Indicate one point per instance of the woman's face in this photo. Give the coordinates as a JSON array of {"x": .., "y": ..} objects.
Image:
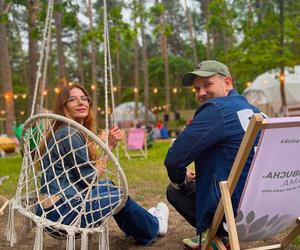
[{"x": 77, "y": 106}]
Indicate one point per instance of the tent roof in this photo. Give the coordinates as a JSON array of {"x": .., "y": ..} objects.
[
  {"x": 265, "y": 89},
  {"x": 125, "y": 112}
]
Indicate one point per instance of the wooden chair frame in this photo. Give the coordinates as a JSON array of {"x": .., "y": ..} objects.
[
  {"x": 135, "y": 152},
  {"x": 225, "y": 206}
]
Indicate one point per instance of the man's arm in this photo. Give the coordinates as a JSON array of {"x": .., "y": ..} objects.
[{"x": 206, "y": 130}]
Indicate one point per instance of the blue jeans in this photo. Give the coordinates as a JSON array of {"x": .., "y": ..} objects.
[{"x": 132, "y": 219}]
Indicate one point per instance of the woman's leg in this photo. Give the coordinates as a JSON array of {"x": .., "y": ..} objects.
[
  {"x": 133, "y": 219},
  {"x": 137, "y": 222}
]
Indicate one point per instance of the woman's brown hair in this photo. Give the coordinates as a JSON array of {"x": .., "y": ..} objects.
[
  {"x": 89, "y": 121},
  {"x": 60, "y": 105}
]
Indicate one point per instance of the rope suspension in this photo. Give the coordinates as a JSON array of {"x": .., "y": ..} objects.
[
  {"x": 108, "y": 66},
  {"x": 66, "y": 185},
  {"x": 43, "y": 52}
]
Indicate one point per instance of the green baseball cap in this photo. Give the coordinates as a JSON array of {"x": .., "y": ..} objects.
[{"x": 205, "y": 69}]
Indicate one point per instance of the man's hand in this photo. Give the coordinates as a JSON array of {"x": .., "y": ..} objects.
[
  {"x": 190, "y": 176},
  {"x": 114, "y": 136}
]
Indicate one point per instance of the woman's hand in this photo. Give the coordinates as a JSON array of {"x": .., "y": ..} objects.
[{"x": 114, "y": 136}]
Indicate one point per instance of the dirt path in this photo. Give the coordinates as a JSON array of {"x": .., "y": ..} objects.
[{"x": 178, "y": 229}]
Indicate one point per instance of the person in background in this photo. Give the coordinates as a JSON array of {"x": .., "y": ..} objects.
[{"x": 211, "y": 141}]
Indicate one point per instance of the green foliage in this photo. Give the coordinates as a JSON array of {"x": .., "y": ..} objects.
[
  {"x": 246, "y": 37},
  {"x": 3, "y": 18},
  {"x": 177, "y": 67}
]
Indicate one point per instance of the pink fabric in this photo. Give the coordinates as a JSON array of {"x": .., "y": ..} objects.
[
  {"x": 270, "y": 201},
  {"x": 135, "y": 138}
]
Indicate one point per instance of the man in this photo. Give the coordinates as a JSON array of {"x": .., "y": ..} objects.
[{"x": 211, "y": 140}]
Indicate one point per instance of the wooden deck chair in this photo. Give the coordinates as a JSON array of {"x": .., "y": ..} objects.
[
  {"x": 270, "y": 200},
  {"x": 135, "y": 144}
]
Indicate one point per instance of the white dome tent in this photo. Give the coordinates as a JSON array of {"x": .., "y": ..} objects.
[
  {"x": 124, "y": 113},
  {"x": 264, "y": 92}
]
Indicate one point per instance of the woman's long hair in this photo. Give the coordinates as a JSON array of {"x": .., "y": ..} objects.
[
  {"x": 89, "y": 121},
  {"x": 60, "y": 105}
]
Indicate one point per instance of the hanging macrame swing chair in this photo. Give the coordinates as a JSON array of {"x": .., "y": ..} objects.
[{"x": 104, "y": 194}]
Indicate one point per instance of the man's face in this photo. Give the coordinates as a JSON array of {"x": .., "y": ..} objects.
[{"x": 212, "y": 86}]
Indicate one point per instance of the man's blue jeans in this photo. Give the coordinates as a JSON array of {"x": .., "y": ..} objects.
[{"x": 133, "y": 219}]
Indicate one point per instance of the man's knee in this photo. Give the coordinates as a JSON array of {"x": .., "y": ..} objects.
[{"x": 171, "y": 194}]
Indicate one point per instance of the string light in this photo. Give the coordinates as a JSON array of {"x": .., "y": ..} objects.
[
  {"x": 22, "y": 112},
  {"x": 248, "y": 84},
  {"x": 93, "y": 87},
  {"x": 115, "y": 89},
  {"x": 175, "y": 90},
  {"x": 24, "y": 96},
  {"x": 2, "y": 112},
  {"x": 281, "y": 77},
  {"x": 135, "y": 90},
  {"x": 56, "y": 90},
  {"x": 45, "y": 92},
  {"x": 15, "y": 97},
  {"x": 155, "y": 90}
]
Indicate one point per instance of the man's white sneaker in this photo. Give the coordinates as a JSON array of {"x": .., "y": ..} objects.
[{"x": 161, "y": 212}]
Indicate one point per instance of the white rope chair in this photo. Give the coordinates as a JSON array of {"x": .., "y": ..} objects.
[{"x": 48, "y": 157}]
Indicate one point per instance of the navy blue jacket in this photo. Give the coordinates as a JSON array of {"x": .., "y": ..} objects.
[{"x": 212, "y": 141}]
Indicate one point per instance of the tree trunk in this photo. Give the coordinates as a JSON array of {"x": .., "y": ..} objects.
[
  {"x": 204, "y": 7},
  {"x": 281, "y": 41},
  {"x": 118, "y": 73},
  {"x": 93, "y": 64},
  {"x": 33, "y": 49},
  {"x": 6, "y": 77},
  {"x": 22, "y": 54},
  {"x": 145, "y": 69},
  {"x": 191, "y": 32},
  {"x": 164, "y": 50},
  {"x": 136, "y": 78},
  {"x": 80, "y": 60},
  {"x": 60, "y": 50}
]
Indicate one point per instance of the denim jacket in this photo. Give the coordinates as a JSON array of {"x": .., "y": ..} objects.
[
  {"x": 68, "y": 171},
  {"x": 211, "y": 141}
]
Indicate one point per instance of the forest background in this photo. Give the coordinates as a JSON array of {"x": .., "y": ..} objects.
[{"x": 153, "y": 43}]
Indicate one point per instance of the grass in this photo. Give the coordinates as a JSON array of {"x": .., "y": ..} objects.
[
  {"x": 147, "y": 178},
  {"x": 144, "y": 176}
]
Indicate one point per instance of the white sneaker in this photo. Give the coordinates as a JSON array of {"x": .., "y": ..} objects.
[{"x": 161, "y": 212}]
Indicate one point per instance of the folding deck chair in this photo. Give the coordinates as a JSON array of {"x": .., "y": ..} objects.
[
  {"x": 270, "y": 201},
  {"x": 135, "y": 144}
]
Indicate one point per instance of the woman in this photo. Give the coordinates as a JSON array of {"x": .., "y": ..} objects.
[{"x": 67, "y": 173}]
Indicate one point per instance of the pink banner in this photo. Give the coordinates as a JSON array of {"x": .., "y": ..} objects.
[{"x": 270, "y": 202}]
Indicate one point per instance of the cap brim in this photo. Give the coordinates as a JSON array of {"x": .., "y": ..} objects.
[{"x": 189, "y": 77}]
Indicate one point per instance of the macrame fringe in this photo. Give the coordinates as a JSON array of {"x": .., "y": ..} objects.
[
  {"x": 84, "y": 241},
  {"x": 104, "y": 239},
  {"x": 27, "y": 225},
  {"x": 38, "y": 242},
  {"x": 10, "y": 231},
  {"x": 70, "y": 241}
]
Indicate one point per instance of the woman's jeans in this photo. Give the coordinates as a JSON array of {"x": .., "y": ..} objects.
[{"x": 133, "y": 219}]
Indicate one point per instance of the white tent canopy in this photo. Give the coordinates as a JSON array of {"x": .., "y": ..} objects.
[
  {"x": 124, "y": 113},
  {"x": 265, "y": 90}
]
